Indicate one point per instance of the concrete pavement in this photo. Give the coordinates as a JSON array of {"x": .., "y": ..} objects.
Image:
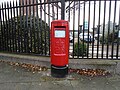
[
  {"x": 110, "y": 65},
  {"x": 17, "y": 78}
]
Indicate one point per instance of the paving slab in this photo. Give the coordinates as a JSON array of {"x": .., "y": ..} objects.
[
  {"x": 17, "y": 78},
  {"x": 110, "y": 65}
]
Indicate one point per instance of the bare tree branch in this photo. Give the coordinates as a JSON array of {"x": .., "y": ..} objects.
[
  {"x": 55, "y": 5},
  {"x": 53, "y": 11},
  {"x": 41, "y": 8},
  {"x": 74, "y": 6},
  {"x": 69, "y": 4}
]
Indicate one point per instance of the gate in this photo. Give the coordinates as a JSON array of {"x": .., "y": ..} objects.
[{"x": 94, "y": 27}]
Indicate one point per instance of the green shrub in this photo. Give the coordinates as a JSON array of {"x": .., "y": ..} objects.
[
  {"x": 80, "y": 50},
  {"x": 109, "y": 39},
  {"x": 31, "y": 34}
]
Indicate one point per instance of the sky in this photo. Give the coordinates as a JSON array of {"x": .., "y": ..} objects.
[
  {"x": 74, "y": 19},
  {"x": 4, "y": 1},
  {"x": 96, "y": 14}
]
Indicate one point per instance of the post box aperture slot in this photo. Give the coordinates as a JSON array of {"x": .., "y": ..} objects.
[{"x": 59, "y": 33}]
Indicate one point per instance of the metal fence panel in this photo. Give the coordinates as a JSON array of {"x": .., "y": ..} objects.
[{"x": 94, "y": 27}]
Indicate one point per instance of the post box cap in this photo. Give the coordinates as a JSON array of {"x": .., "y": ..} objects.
[{"x": 59, "y": 21}]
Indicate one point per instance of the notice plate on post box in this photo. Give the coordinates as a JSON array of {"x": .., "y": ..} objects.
[
  {"x": 60, "y": 33},
  {"x": 119, "y": 34}
]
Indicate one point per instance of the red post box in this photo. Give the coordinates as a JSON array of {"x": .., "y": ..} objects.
[{"x": 59, "y": 48}]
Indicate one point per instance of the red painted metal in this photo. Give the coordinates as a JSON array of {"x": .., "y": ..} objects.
[{"x": 59, "y": 42}]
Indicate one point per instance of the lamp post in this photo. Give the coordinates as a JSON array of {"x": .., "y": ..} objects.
[
  {"x": 80, "y": 29},
  {"x": 63, "y": 9},
  {"x": 117, "y": 30}
]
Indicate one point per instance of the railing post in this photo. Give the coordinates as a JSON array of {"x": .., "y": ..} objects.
[{"x": 62, "y": 9}]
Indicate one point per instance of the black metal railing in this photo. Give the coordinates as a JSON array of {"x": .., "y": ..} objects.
[
  {"x": 24, "y": 27},
  {"x": 94, "y": 27}
]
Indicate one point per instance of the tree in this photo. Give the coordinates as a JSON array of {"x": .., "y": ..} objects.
[
  {"x": 31, "y": 34},
  {"x": 71, "y": 6},
  {"x": 109, "y": 39}
]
